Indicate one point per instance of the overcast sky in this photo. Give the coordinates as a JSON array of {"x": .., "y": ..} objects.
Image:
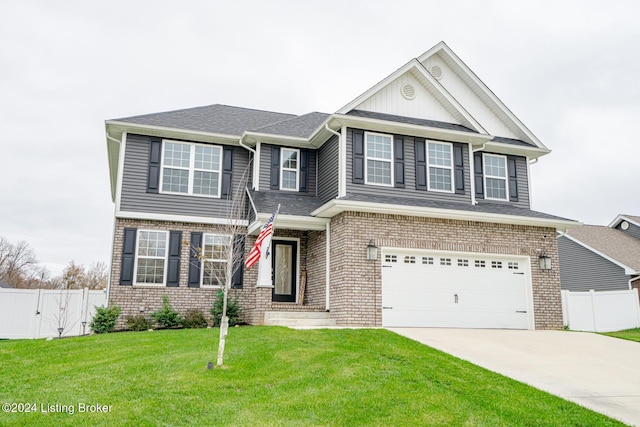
[{"x": 568, "y": 69}]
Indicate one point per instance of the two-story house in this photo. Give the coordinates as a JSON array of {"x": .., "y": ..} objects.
[{"x": 409, "y": 206}]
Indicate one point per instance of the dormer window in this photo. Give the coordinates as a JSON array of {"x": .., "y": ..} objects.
[
  {"x": 290, "y": 169},
  {"x": 495, "y": 177},
  {"x": 378, "y": 162}
]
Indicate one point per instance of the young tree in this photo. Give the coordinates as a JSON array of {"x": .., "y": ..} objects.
[{"x": 232, "y": 249}]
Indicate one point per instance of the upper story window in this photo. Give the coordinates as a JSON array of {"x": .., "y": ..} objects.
[
  {"x": 215, "y": 250},
  {"x": 151, "y": 256},
  {"x": 378, "y": 161},
  {"x": 290, "y": 169},
  {"x": 495, "y": 177},
  {"x": 440, "y": 166},
  {"x": 192, "y": 169}
]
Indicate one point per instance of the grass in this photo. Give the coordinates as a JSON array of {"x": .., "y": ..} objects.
[
  {"x": 274, "y": 377},
  {"x": 629, "y": 334}
]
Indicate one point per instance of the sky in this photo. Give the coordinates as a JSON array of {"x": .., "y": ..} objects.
[{"x": 567, "y": 69}]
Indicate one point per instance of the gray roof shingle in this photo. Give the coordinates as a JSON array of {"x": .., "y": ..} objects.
[
  {"x": 290, "y": 203},
  {"x": 633, "y": 218},
  {"x": 300, "y": 126},
  {"x": 410, "y": 120},
  {"x": 611, "y": 242}
]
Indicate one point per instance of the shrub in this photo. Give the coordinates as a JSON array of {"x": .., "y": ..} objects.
[
  {"x": 104, "y": 321},
  {"x": 138, "y": 323},
  {"x": 167, "y": 317},
  {"x": 194, "y": 319},
  {"x": 233, "y": 310}
]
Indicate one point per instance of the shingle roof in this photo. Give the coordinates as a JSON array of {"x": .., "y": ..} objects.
[
  {"x": 512, "y": 141},
  {"x": 217, "y": 118},
  {"x": 290, "y": 203},
  {"x": 611, "y": 242},
  {"x": 300, "y": 126},
  {"x": 410, "y": 120},
  {"x": 632, "y": 218}
]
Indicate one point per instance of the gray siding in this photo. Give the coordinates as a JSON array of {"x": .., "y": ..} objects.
[
  {"x": 134, "y": 185},
  {"x": 410, "y": 177},
  {"x": 265, "y": 170},
  {"x": 633, "y": 230},
  {"x": 328, "y": 169},
  {"x": 583, "y": 270}
]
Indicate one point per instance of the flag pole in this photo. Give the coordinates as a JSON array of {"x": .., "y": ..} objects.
[{"x": 273, "y": 230}]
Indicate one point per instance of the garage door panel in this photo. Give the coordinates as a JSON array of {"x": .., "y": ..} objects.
[{"x": 455, "y": 290}]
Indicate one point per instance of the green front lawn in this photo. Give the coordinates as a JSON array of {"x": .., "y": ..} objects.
[
  {"x": 274, "y": 376},
  {"x": 629, "y": 334}
]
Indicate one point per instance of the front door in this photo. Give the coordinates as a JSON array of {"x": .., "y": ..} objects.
[{"x": 284, "y": 261}]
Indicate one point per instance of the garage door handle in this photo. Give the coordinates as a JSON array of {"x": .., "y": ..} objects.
[
  {"x": 387, "y": 308},
  {"x": 455, "y": 298},
  {"x": 521, "y": 311}
]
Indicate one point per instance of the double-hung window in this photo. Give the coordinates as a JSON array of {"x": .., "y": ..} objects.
[
  {"x": 192, "y": 169},
  {"x": 290, "y": 169},
  {"x": 151, "y": 257},
  {"x": 440, "y": 166},
  {"x": 379, "y": 162},
  {"x": 495, "y": 177},
  {"x": 215, "y": 253}
]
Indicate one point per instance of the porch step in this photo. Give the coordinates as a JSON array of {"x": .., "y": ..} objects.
[{"x": 298, "y": 318}]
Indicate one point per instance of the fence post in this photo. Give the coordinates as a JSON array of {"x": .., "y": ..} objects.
[
  {"x": 592, "y": 295},
  {"x": 565, "y": 295},
  {"x": 637, "y": 304}
]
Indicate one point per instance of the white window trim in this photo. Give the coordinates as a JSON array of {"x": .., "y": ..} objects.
[
  {"x": 192, "y": 169},
  {"x": 204, "y": 236},
  {"x": 137, "y": 257},
  {"x": 450, "y": 168},
  {"x": 296, "y": 170},
  {"x": 505, "y": 178},
  {"x": 367, "y": 158}
]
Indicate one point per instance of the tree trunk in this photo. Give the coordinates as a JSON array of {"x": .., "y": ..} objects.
[{"x": 224, "y": 322}]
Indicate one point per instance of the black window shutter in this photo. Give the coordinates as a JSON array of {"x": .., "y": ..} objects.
[
  {"x": 227, "y": 171},
  {"x": 458, "y": 163},
  {"x": 153, "y": 176},
  {"x": 513, "y": 178},
  {"x": 275, "y": 168},
  {"x": 398, "y": 150},
  {"x": 304, "y": 170},
  {"x": 421, "y": 164},
  {"x": 478, "y": 175},
  {"x": 238, "y": 265},
  {"x": 175, "y": 246},
  {"x": 358, "y": 157},
  {"x": 128, "y": 256},
  {"x": 194, "y": 260}
]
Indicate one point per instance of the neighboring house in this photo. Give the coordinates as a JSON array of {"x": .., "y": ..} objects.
[
  {"x": 601, "y": 258},
  {"x": 427, "y": 173}
]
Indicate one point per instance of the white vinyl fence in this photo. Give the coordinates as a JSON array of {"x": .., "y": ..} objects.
[
  {"x": 602, "y": 311},
  {"x": 38, "y": 313}
]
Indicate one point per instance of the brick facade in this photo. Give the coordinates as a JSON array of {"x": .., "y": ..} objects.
[{"x": 355, "y": 283}]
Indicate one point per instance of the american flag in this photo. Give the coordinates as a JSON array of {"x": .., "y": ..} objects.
[{"x": 265, "y": 232}]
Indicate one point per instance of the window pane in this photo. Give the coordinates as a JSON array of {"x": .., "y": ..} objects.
[
  {"x": 378, "y": 172},
  {"x": 379, "y": 146},
  {"x": 495, "y": 166},
  {"x": 152, "y": 243},
  {"x": 439, "y": 179},
  {"x": 496, "y": 188},
  {"x": 177, "y": 154},
  {"x": 150, "y": 271},
  {"x": 289, "y": 180},
  {"x": 289, "y": 159},
  {"x": 214, "y": 273},
  {"x": 207, "y": 158},
  {"x": 215, "y": 247},
  {"x": 439, "y": 154},
  {"x": 175, "y": 180},
  {"x": 205, "y": 183}
]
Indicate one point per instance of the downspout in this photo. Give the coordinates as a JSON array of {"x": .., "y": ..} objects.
[
  {"x": 340, "y": 171},
  {"x": 473, "y": 173},
  {"x": 327, "y": 233},
  {"x": 251, "y": 150}
]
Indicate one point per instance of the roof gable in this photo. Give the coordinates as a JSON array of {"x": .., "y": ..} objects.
[{"x": 610, "y": 243}]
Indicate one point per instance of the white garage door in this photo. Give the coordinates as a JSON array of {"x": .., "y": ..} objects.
[{"x": 455, "y": 290}]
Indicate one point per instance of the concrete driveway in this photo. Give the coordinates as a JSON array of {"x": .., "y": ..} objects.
[{"x": 595, "y": 371}]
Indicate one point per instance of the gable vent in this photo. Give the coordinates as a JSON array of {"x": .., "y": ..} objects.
[
  {"x": 408, "y": 91},
  {"x": 436, "y": 72}
]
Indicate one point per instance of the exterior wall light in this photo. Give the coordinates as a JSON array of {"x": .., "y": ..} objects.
[
  {"x": 545, "y": 262},
  {"x": 372, "y": 251}
]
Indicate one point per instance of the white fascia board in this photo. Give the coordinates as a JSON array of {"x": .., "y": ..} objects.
[
  {"x": 120, "y": 168},
  {"x": 444, "y": 50},
  {"x": 516, "y": 150},
  {"x": 269, "y": 138},
  {"x": 168, "y": 132},
  {"x": 289, "y": 222},
  {"x": 379, "y": 125},
  {"x": 621, "y": 218},
  {"x": 627, "y": 270},
  {"x": 334, "y": 207},
  {"x": 114, "y": 157},
  {"x": 178, "y": 218}
]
